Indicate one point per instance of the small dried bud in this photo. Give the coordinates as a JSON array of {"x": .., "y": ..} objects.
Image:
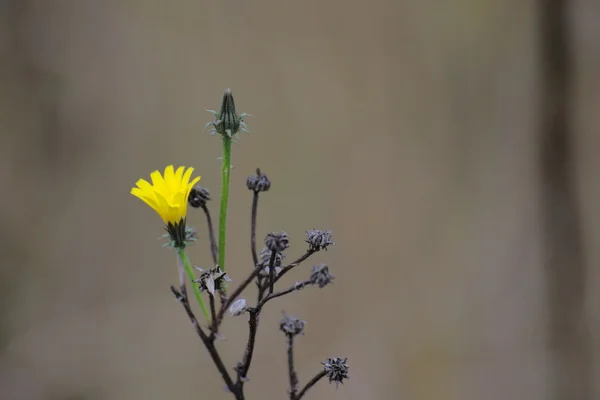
[
  {"x": 318, "y": 239},
  {"x": 198, "y": 196},
  {"x": 337, "y": 369},
  {"x": 264, "y": 258},
  {"x": 265, "y": 271},
  {"x": 277, "y": 241},
  {"x": 258, "y": 182},
  {"x": 320, "y": 276},
  {"x": 292, "y": 326},
  {"x": 238, "y": 307},
  {"x": 212, "y": 279}
]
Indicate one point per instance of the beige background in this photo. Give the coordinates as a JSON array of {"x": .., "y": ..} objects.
[{"x": 407, "y": 127}]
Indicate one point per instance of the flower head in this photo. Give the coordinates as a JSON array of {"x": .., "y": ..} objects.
[
  {"x": 277, "y": 241},
  {"x": 212, "y": 279},
  {"x": 320, "y": 276},
  {"x": 259, "y": 182},
  {"x": 318, "y": 239},
  {"x": 198, "y": 196},
  {"x": 168, "y": 196},
  {"x": 337, "y": 369},
  {"x": 292, "y": 326}
]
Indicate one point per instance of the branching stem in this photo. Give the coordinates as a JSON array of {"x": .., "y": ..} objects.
[{"x": 310, "y": 384}]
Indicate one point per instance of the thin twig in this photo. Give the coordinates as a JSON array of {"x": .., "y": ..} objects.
[
  {"x": 299, "y": 261},
  {"x": 272, "y": 271},
  {"x": 213, "y": 314},
  {"x": 211, "y": 234},
  {"x": 210, "y": 346},
  {"x": 253, "y": 328},
  {"x": 564, "y": 234},
  {"x": 291, "y": 368},
  {"x": 253, "y": 228},
  {"x": 271, "y": 296},
  {"x": 261, "y": 289},
  {"x": 235, "y": 295},
  {"x": 310, "y": 384}
]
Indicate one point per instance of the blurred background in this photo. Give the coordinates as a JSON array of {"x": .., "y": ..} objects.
[{"x": 451, "y": 147}]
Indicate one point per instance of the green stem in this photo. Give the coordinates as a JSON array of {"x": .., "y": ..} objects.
[
  {"x": 225, "y": 181},
  {"x": 190, "y": 273}
]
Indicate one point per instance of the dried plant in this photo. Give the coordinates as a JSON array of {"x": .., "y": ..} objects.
[{"x": 169, "y": 195}]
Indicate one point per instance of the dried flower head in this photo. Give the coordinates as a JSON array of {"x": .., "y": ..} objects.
[
  {"x": 320, "y": 276},
  {"x": 264, "y": 258},
  {"x": 168, "y": 195},
  {"x": 292, "y": 326},
  {"x": 198, "y": 196},
  {"x": 258, "y": 182},
  {"x": 238, "y": 307},
  {"x": 212, "y": 279},
  {"x": 318, "y": 239},
  {"x": 337, "y": 369},
  {"x": 277, "y": 241},
  {"x": 265, "y": 271}
]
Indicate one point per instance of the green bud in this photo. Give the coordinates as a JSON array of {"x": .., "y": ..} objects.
[{"x": 227, "y": 122}]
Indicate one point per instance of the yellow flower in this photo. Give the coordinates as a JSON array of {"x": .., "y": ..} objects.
[{"x": 168, "y": 194}]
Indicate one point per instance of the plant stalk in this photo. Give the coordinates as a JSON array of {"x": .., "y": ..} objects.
[
  {"x": 190, "y": 273},
  {"x": 225, "y": 182}
]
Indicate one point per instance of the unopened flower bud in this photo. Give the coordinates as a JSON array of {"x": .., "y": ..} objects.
[{"x": 227, "y": 122}]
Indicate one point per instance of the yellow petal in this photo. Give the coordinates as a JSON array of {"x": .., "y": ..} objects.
[
  {"x": 158, "y": 182},
  {"x": 145, "y": 187},
  {"x": 164, "y": 210},
  {"x": 186, "y": 176},
  {"x": 150, "y": 201},
  {"x": 179, "y": 175},
  {"x": 169, "y": 175}
]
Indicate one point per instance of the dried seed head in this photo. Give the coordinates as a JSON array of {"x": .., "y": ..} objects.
[
  {"x": 320, "y": 276},
  {"x": 265, "y": 271},
  {"x": 258, "y": 182},
  {"x": 292, "y": 326},
  {"x": 198, "y": 196},
  {"x": 277, "y": 241},
  {"x": 337, "y": 369},
  {"x": 265, "y": 257},
  {"x": 212, "y": 279},
  {"x": 318, "y": 239},
  {"x": 238, "y": 307}
]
